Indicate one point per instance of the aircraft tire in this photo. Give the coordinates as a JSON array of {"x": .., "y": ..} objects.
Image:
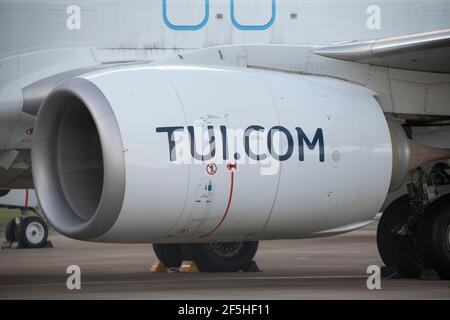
[
  {"x": 171, "y": 255},
  {"x": 10, "y": 230},
  {"x": 32, "y": 232},
  {"x": 395, "y": 250},
  {"x": 434, "y": 236},
  {"x": 222, "y": 256}
]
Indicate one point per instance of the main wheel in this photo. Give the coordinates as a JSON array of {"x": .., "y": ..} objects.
[
  {"x": 222, "y": 256},
  {"x": 32, "y": 232},
  {"x": 434, "y": 236},
  {"x": 395, "y": 250},
  {"x": 10, "y": 230},
  {"x": 170, "y": 254}
]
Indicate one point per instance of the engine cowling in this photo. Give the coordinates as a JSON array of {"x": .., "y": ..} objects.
[{"x": 186, "y": 154}]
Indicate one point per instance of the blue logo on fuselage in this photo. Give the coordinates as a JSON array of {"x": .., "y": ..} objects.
[{"x": 205, "y": 20}]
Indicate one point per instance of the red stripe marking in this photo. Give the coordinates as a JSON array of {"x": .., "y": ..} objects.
[
  {"x": 226, "y": 211},
  {"x": 26, "y": 198}
]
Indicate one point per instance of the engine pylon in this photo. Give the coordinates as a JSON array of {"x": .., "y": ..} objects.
[{"x": 421, "y": 154}]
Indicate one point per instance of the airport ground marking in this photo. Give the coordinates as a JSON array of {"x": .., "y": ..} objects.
[{"x": 184, "y": 280}]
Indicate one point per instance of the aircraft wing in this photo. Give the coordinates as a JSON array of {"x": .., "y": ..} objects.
[{"x": 429, "y": 51}]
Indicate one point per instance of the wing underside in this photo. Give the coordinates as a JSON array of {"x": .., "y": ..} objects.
[{"x": 429, "y": 51}]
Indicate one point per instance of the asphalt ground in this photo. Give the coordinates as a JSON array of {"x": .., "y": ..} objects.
[{"x": 321, "y": 268}]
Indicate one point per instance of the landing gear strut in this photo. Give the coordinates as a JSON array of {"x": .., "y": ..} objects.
[
  {"x": 210, "y": 257},
  {"x": 414, "y": 231}
]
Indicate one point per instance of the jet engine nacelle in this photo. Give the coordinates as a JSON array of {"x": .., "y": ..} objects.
[{"x": 186, "y": 154}]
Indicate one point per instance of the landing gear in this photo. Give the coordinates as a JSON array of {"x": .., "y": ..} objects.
[
  {"x": 434, "y": 236},
  {"x": 10, "y": 231},
  {"x": 32, "y": 232},
  {"x": 171, "y": 255},
  {"x": 222, "y": 256},
  {"x": 413, "y": 234},
  {"x": 210, "y": 257},
  {"x": 28, "y": 231},
  {"x": 396, "y": 241}
]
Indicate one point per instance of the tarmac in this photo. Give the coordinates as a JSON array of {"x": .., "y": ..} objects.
[{"x": 321, "y": 268}]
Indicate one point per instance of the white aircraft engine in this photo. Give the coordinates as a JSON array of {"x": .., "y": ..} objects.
[{"x": 196, "y": 154}]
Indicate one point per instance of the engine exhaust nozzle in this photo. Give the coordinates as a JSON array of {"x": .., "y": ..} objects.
[{"x": 409, "y": 155}]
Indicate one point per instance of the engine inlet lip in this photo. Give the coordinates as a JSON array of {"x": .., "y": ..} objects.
[{"x": 47, "y": 183}]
